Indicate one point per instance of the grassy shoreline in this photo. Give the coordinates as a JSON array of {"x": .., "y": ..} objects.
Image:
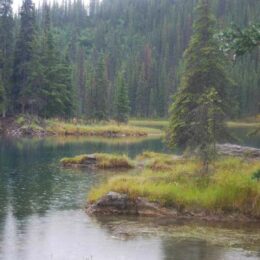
[
  {"x": 24, "y": 125},
  {"x": 32, "y": 126},
  {"x": 105, "y": 129},
  {"x": 99, "y": 161},
  {"x": 231, "y": 187}
]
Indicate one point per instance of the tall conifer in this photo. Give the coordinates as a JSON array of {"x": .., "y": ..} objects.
[
  {"x": 23, "y": 56},
  {"x": 122, "y": 100},
  {"x": 197, "y": 113},
  {"x": 6, "y": 50}
]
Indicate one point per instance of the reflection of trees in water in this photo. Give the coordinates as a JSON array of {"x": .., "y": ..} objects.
[
  {"x": 32, "y": 180},
  {"x": 28, "y": 188},
  {"x": 175, "y": 249},
  {"x": 245, "y": 136}
]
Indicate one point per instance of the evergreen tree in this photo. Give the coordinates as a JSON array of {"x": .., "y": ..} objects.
[
  {"x": 149, "y": 36},
  {"x": 199, "y": 107},
  {"x": 63, "y": 82},
  {"x": 34, "y": 90},
  {"x": 6, "y": 49},
  {"x": 50, "y": 59},
  {"x": 56, "y": 89},
  {"x": 99, "y": 94},
  {"x": 23, "y": 56},
  {"x": 2, "y": 95},
  {"x": 240, "y": 41},
  {"x": 122, "y": 101},
  {"x": 81, "y": 81}
]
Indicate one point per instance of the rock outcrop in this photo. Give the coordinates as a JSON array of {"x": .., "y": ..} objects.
[
  {"x": 115, "y": 203},
  {"x": 237, "y": 150}
]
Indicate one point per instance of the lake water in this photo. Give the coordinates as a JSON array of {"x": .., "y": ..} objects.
[{"x": 42, "y": 211}]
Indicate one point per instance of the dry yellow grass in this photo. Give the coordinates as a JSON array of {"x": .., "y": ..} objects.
[
  {"x": 106, "y": 129},
  {"x": 230, "y": 186},
  {"x": 102, "y": 161}
]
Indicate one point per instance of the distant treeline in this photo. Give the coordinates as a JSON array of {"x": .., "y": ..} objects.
[{"x": 67, "y": 59}]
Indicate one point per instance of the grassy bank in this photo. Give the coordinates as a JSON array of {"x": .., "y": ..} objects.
[
  {"x": 24, "y": 125},
  {"x": 32, "y": 126},
  {"x": 231, "y": 187},
  {"x": 240, "y": 124},
  {"x": 105, "y": 129},
  {"x": 159, "y": 123},
  {"x": 248, "y": 122},
  {"x": 100, "y": 161}
]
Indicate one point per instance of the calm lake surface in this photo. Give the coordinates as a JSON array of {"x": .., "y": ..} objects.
[{"x": 42, "y": 211}]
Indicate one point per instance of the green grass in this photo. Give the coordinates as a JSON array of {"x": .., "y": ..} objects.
[
  {"x": 29, "y": 123},
  {"x": 230, "y": 186},
  {"x": 160, "y": 123},
  {"x": 243, "y": 125},
  {"x": 103, "y": 161},
  {"x": 105, "y": 129},
  {"x": 158, "y": 161},
  {"x": 58, "y": 127},
  {"x": 248, "y": 122}
]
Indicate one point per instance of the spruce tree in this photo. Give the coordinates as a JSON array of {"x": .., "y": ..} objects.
[
  {"x": 6, "y": 50},
  {"x": 63, "y": 85},
  {"x": 34, "y": 90},
  {"x": 240, "y": 41},
  {"x": 51, "y": 92},
  {"x": 100, "y": 91},
  {"x": 2, "y": 96},
  {"x": 23, "y": 56},
  {"x": 80, "y": 80},
  {"x": 56, "y": 89},
  {"x": 122, "y": 100},
  {"x": 197, "y": 113}
]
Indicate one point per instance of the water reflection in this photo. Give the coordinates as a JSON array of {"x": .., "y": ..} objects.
[
  {"x": 196, "y": 249},
  {"x": 245, "y": 136},
  {"x": 70, "y": 234},
  {"x": 42, "y": 208}
]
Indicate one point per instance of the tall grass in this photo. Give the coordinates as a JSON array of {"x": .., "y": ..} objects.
[
  {"x": 101, "y": 161},
  {"x": 105, "y": 129},
  {"x": 229, "y": 188}
]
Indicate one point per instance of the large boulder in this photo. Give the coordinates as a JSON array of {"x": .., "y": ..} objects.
[{"x": 114, "y": 203}]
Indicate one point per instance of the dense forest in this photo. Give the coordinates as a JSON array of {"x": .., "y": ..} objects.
[{"x": 103, "y": 60}]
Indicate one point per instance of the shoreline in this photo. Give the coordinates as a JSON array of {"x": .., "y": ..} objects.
[
  {"x": 117, "y": 204},
  {"x": 176, "y": 187},
  {"x": 22, "y": 126}
]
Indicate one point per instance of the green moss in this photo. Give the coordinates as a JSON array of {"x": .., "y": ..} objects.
[{"x": 229, "y": 187}]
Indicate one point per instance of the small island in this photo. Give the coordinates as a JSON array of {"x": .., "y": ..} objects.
[
  {"x": 99, "y": 161},
  {"x": 176, "y": 186}
]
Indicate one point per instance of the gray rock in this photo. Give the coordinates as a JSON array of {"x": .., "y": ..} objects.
[
  {"x": 237, "y": 150},
  {"x": 121, "y": 204}
]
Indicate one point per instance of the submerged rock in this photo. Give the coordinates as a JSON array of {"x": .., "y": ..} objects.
[
  {"x": 237, "y": 150},
  {"x": 114, "y": 203}
]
